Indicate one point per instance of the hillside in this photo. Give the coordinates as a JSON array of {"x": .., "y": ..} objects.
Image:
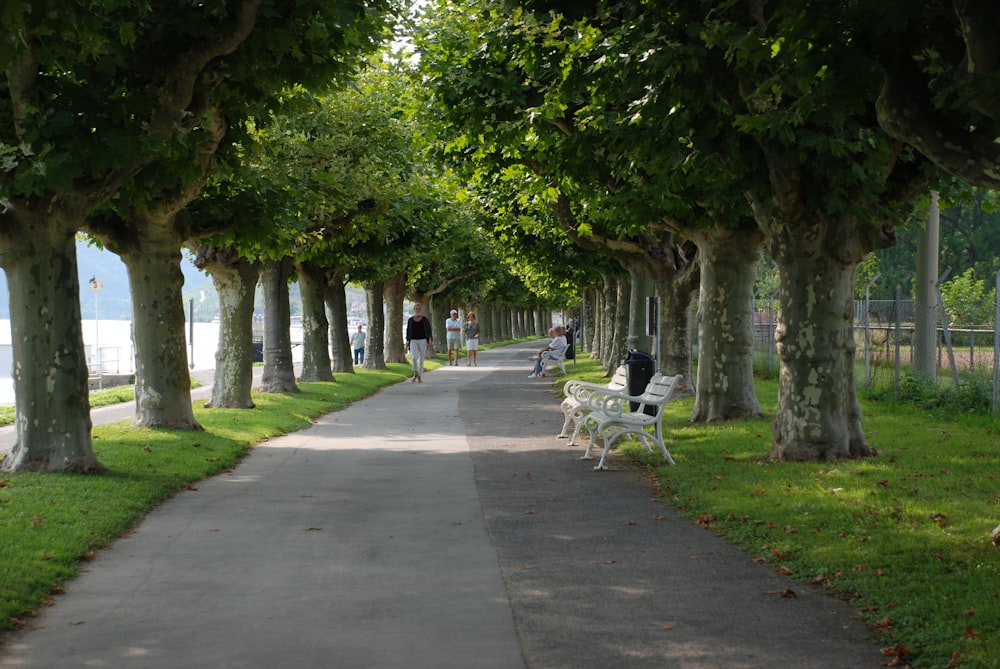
[{"x": 113, "y": 301}]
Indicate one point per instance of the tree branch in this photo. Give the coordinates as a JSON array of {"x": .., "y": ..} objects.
[
  {"x": 179, "y": 88},
  {"x": 962, "y": 151}
]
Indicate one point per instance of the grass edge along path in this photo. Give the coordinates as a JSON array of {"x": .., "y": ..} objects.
[
  {"x": 50, "y": 523},
  {"x": 903, "y": 536}
]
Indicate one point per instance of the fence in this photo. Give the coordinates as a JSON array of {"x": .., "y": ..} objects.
[{"x": 884, "y": 342}]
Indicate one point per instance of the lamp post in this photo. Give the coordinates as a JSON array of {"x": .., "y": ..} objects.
[{"x": 96, "y": 285}]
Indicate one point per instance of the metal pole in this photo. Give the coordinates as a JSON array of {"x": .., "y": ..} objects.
[
  {"x": 191, "y": 330},
  {"x": 96, "y": 285}
]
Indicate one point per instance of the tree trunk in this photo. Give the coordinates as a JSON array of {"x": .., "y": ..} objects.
[
  {"x": 675, "y": 354},
  {"x": 336, "y": 304},
  {"x": 429, "y": 310},
  {"x": 152, "y": 255},
  {"x": 279, "y": 373},
  {"x": 728, "y": 260},
  {"x": 394, "y": 292},
  {"x": 38, "y": 253},
  {"x": 642, "y": 288},
  {"x": 315, "y": 327},
  {"x": 491, "y": 331},
  {"x": 818, "y": 416},
  {"x": 617, "y": 313},
  {"x": 374, "y": 296},
  {"x": 235, "y": 281},
  {"x": 597, "y": 324}
]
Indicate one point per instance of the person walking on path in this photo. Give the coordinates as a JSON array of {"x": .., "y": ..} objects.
[
  {"x": 453, "y": 326},
  {"x": 471, "y": 339},
  {"x": 358, "y": 342},
  {"x": 418, "y": 338}
]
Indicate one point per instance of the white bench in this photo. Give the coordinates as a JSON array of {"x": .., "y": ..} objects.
[
  {"x": 610, "y": 417},
  {"x": 579, "y": 394},
  {"x": 554, "y": 359}
]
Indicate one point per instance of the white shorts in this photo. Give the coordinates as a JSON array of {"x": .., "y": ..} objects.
[{"x": 472, "y": 344}]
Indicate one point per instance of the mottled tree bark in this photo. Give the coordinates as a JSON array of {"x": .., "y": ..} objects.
[
  {"x": 315, "y": 326},
  {"x": 279, "y": 373},
  {"x": 675, "y": 355},
  {"x": 38, "y": 254},
  {"x": 235, "y": 280},
  {"x": 233, "y": 381},
  {"x": 643, "y": 287},
  {"x": 728, "y": 259},
  {"x": 818, "y": 416},
  {"x": 152, "y": 255},
  {"x": 340, "y": 338},
  {"x": 507, "y": 323},
  {"x": 374, "y": 296},
  {"x": 394, "y": 293}
]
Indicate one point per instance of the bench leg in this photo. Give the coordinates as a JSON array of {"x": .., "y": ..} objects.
[
  {"x": 610, "y": 436},
  {"x": 567, "y": 419},
  {"x": 658, "y": 437},
  {"x": 604, "y": 454},
  {"x": 590, "y": 442},
  {"x": 578, "y": 425}
]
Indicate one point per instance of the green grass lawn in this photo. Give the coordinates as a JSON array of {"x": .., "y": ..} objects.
[{"x": 903, "y": 536}]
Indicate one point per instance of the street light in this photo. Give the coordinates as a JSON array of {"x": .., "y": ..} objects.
[{"x": 96, "y": 285}]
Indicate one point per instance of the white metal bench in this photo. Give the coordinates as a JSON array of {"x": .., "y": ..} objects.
[
  {"x": 579, "y": 394},
  {"x": 610, "y": 417},
  {"x": 552, "y": 359}
]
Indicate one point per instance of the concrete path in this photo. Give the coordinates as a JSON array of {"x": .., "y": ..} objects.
[{"x": 436, "y": 525}]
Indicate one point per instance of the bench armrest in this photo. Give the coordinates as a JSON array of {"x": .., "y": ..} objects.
[{"x": 577, "y": 387}]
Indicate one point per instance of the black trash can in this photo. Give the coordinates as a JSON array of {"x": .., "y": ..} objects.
[{"x": 638, "y": 372}]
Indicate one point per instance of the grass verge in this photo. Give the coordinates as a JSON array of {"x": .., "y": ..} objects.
[
  {"x": 52, "y": 522},
  {"x": 903, "y": 536}
]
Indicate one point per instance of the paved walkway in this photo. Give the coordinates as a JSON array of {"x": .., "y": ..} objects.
[{"x": 433, "y": 526}]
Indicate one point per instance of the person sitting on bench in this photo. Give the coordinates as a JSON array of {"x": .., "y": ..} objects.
[{"x": 554, "y": 350}]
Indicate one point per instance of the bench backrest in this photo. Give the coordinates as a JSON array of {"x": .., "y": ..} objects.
[
  {"x": 659, "y": 390},
  {"x": 619, "y": 379}
]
